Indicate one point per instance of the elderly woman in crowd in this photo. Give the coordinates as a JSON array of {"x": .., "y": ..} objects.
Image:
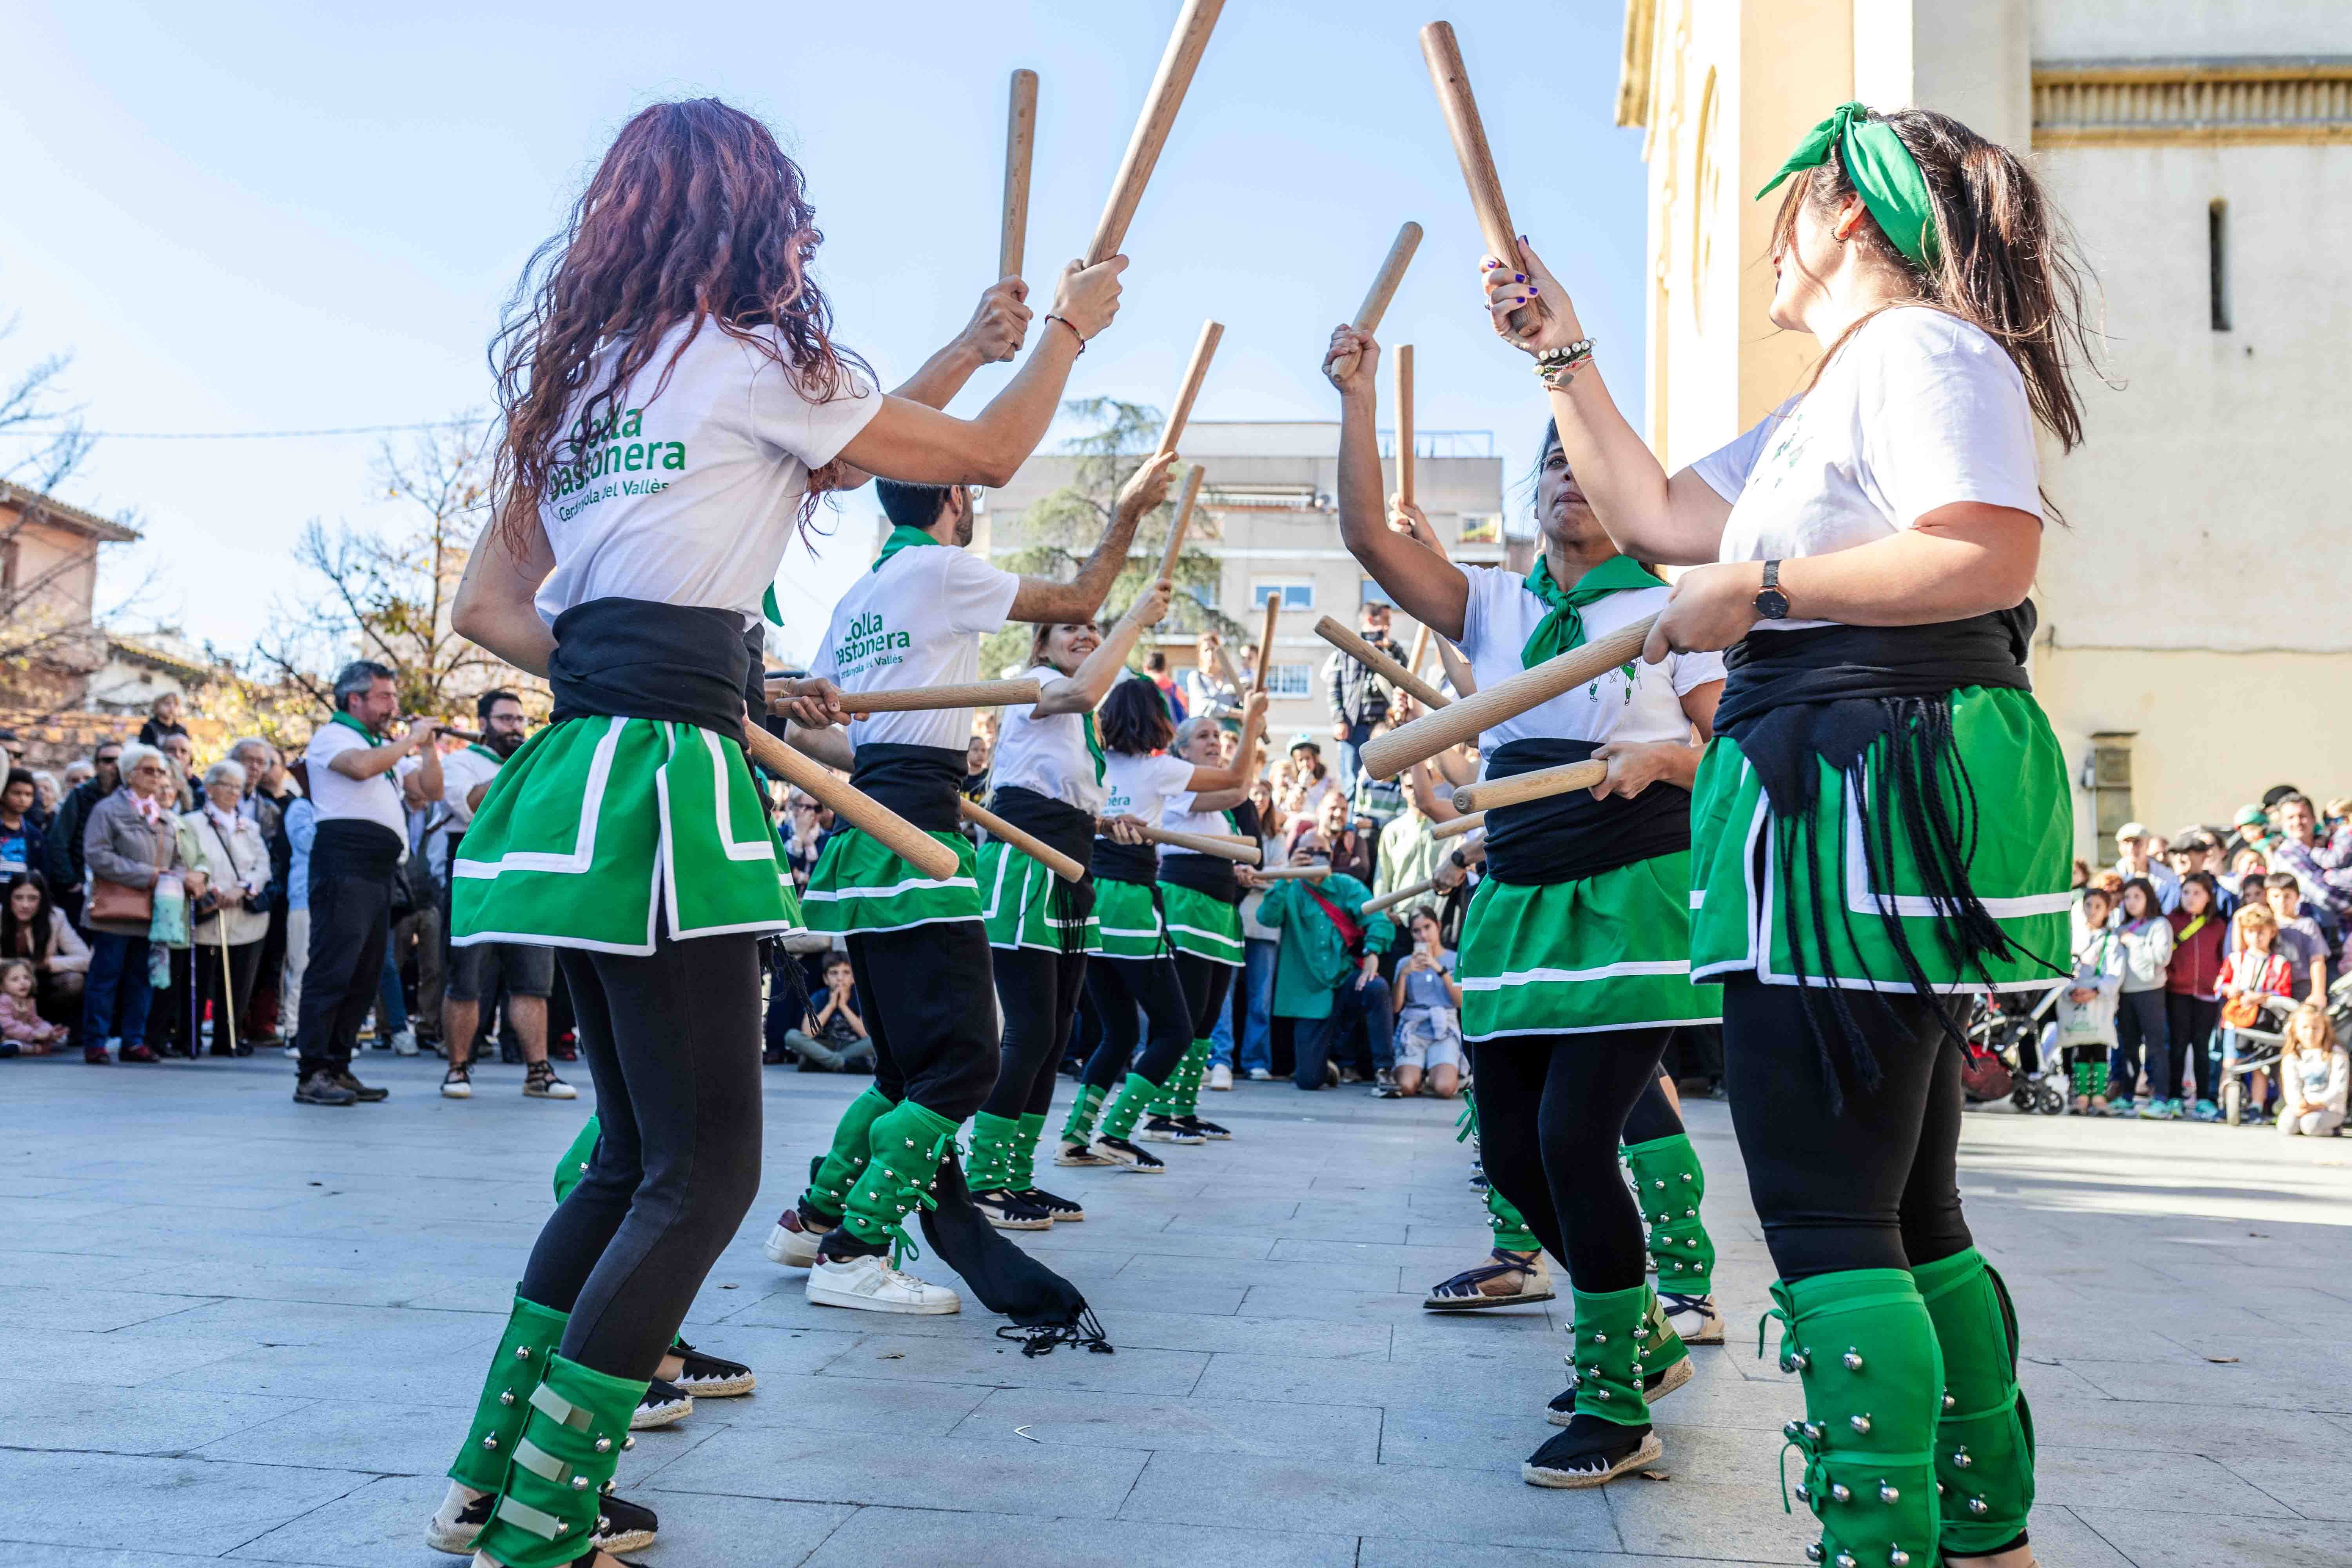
[
  {"x": 226, "y": 845},
  {"x": 131, "y": 842},
  {"x": 34, "y": 930}
]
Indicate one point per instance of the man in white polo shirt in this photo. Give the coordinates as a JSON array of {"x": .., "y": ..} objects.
[{"x": 363, "y": 834}]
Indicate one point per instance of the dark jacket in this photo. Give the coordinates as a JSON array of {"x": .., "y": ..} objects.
[
  {"x": 1354, "y": 693},
  {"x": 64, "y": 849}
]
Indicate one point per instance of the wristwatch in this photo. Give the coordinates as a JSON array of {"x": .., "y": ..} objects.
[{"x": 1771, "y": 603}]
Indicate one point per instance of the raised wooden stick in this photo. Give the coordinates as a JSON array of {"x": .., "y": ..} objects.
[
  {"x": 1241, "y": 851},
  {"x": 1404, "y": 424},
  {"x": 1420, "y": 647},
  {"x": 1028, "y": 843},
  {"x": 917, "y": 699},
  {"x": 1183, "y": 517},
  {"x": 853, "y": 805},
  {"x": 1194, "y": 374},
  {"x": 1379, "y": 663},
  {"x": 1293, "y": 873},
  {"x": 1537, "y": 785},
  {"x": 1443, "y": 54},
  {"x": 1454, "y": 826},
  {"x": 1194, "y": 24},
  {"x": 1265, "y": 641},
  {"x": 1402, "y": 895},
  {"x": 1019, "y": 140},
  {"x": 1386, "y": 756},
  {"x": 1385, "y": 281}
]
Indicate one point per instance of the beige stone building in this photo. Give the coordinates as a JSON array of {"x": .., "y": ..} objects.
[
  {"x": 50, "y": 645},
  {"x": 2196, "y": 613},
  {"x": 1273, "y": 527}
]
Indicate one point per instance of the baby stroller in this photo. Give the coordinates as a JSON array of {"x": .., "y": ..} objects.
[
  {"x": 2005, "y": 1052},
  {"x": 2256, "y": 1049}
]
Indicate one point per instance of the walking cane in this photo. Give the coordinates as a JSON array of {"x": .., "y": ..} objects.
[{"x": 228, "y": 990}]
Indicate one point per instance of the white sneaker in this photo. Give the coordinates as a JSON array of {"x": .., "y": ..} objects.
[
  {"x": 404, "y": 1044},
  {"x": 1220, "y": 1076},
  {"x": 791, "y": 1243},
  {"x": 292, "y": 1052},
  {"x": 1260, "y": 1075},
  {"x": 871, "y": 1285}
]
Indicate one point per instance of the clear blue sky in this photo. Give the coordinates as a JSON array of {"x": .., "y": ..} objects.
[{"x": 270, "y": 216}]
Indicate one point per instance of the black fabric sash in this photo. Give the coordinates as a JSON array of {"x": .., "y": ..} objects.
[
  {"x": 1564, "y": 836},
  {"x": 1117, "y": 862},
  {"x": 635, "y": 658},
  {"x": 1058, "y": 823},
  {"x": 920, "y": 783},
  {"x": 1210, "y": 874},
  {"x": 1766, "y": 670}
]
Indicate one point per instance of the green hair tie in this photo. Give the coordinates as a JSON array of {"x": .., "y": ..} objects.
[{"x": 1882, "y": 171}]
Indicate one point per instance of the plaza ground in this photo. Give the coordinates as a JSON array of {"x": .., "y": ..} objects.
[{"x": 254, "y": 1331}]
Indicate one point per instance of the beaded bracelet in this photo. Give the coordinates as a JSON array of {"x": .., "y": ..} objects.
[
  {"x": 1074, "y": 330},
  {"x": 1556, "y": 368}
]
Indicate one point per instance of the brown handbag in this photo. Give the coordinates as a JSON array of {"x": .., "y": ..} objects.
[{"x": 120, "y": 900}]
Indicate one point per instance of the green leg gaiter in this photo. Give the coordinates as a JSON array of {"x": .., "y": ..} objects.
[
  {"x": 1668, "y": 1184},
  {"x": 1984, "y": 1438},
  {"x": 1661, "y": 1346},
  {"x": 578, "y": 1424},
  {"x": 908, "y": 1141},
  {"x": 838, "y": 1170},
  {"x": 1186, "y": 1090},
  {"x": 516, "y": 1366},
  {"x": 1864, "y": 1343},
  {"x": 572, "y": 1163},
  {"x": 1511, "y": 1232},
  {"x": 990, "y": 1168},
  {"x": 1128, "y": 1109},
  {"x": 1609, "y": 1354},
  {"x": 1080, "y": 1127},
  {"x": 1031, "y": 1127}
]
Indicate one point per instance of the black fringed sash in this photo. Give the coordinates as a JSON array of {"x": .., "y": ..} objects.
[{"x": 1875, "y": 703}]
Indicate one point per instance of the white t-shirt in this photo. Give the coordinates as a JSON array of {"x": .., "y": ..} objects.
[
  {"x": 460, "y": 771},
  {"x": 1181, "y": 814},
  {"x": 915, "y": 620},
  {"x": 341, "y": 799},
  {"x": 1047, "y": 756},
  {"x": 1501, "y": 614},
  {"x": 1147, "y": 789},
  {"x": 1919, "y": 410},
  {"x": 689, "y": 497}
]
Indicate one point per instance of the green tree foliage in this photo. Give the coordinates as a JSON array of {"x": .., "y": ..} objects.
[{"x": 1061, "y": 528}]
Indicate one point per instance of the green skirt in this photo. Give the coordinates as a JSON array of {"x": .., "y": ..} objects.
[
  {"x": 1606, "y": 952},
  {"x": 1127, "y": 925},
  {"x": 859, "y": 885},
  {"x": 1202, "y": 924},
  {"x": 2019, "y": 857},
  {"x": 597, "y": 825},
  {"x": 1016, "y": 903}
]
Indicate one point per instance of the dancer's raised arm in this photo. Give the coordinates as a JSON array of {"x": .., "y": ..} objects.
[{"x": 1421, "y": 582}]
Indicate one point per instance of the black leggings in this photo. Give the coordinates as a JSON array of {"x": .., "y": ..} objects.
[
  {"x": 2190, "y": 1020},
  {"x": 1653, "y": 1116},
  {"x": 1875, "y": 1185},
  {"x": 1207, "y": 985},
  {"x": 1120, "y": 985},
  {"x": 926, "y": 991},
  {"x": 673, "y": 1045},
  {"x": 2140, "y": 1023},
  {"x": 1038, "y": 994},
  {"x": 1550, "y": 1109}
]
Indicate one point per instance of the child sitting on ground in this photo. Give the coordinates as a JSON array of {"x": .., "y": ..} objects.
[
  {"x": 832, "y": 1037},
  {"x": 2315, "y": 1076},
  {"x": 1429, "y": 1020},
  {"x": 21, "y": 1027}
]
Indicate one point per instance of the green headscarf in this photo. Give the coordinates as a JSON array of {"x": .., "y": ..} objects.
[
  {"x": 901, "y": 538},
  {"x": 1882, "y": 171},
  {"x": 1563, "y": 628}
]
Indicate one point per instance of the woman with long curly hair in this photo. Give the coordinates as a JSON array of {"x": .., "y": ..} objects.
[
  {"x": 673, "y": 403},
  {"x": 1882, "y": 823}
]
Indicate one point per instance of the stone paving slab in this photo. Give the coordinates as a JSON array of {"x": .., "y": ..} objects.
[{"x": 261, "y": 1326}]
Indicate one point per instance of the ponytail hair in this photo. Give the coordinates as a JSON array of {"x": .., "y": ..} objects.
[{"x": 2005, "y": 261}]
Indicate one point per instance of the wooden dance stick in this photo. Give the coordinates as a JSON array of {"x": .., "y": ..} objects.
[
  {"x": 916, "y": 699},
  {"x": 1452, "y": 826},
  {"x": 1402, "y": 895},
  {"x": 1404, "y": 424},
  {"x": 1183, "y": 519},
  {"x": 1537, "y": 785},
  {"x": 1387, "y": 755},
  {"x": 1420, "y": 647},
  {"x": 1194, "y": 24},
  {"x": 1385, "y": 281},
  {"x": 1443, "y": 54},
  {"x": 1028, "y": 843},
  {"x": 1241, "y": 851},
  {"x": 1293, "y": 873},
  {"x": 1379, "y": 663},
  {"x": 1265, "y": 641},
  {"x": 851, "y": 804},
  {"x": 1020, "y": 141},
  {"x": 1195, "y": 373}
]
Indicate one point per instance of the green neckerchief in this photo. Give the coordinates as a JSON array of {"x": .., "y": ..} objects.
[
  {"x": 901, "y": 538},
  {"x": 347, "y": 721},
  {"x": 1563, "y": 628},
  {"x": 1094, "y": 748},
  {"x": 484, "y": 751},
  {"x": 769, "y": 608},
  {"x": 1883, "y": 171}
]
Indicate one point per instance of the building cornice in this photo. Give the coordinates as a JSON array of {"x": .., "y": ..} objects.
[
  {"x": 2276, "y": 99},
  {"x": 1635, "y": 62},
  {"x": 25, "y": 499}
]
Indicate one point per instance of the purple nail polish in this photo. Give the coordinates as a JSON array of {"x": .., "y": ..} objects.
[{"x": 1518, "y": 277}]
